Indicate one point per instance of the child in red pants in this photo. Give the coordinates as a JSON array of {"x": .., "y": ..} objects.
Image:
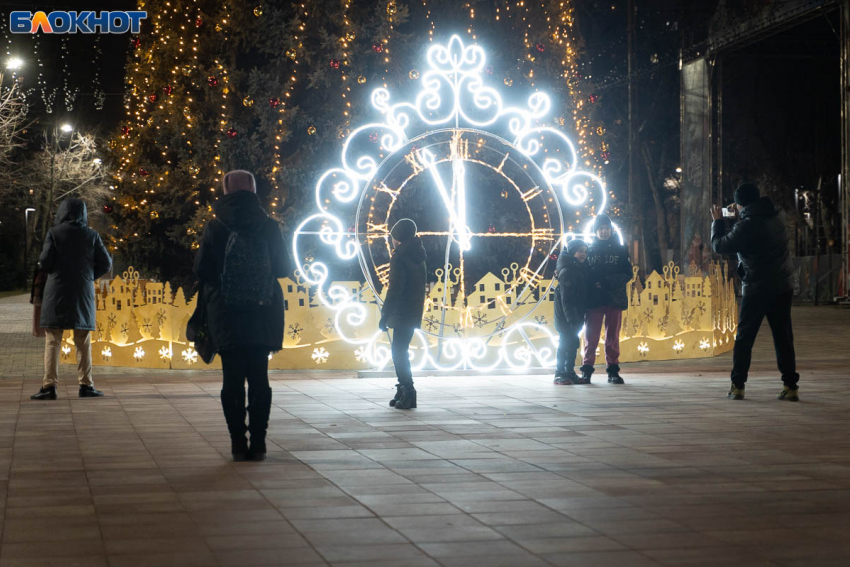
[{"x": 610, "y": 271}]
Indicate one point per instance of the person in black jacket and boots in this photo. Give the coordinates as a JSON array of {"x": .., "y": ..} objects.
[
  {"x": 610, "y": 272},
  {"x": 570, "y": 308},
  {"x": 764, "y": 264},
  {"x": 73, "y": 258},
  {"x": 404, "y": 305},
  {"x": 241, "y": 256}
]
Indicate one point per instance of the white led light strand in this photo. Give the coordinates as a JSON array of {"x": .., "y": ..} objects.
[{"x": 453, "y": 95}]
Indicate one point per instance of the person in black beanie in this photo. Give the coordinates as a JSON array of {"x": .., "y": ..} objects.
[
  {"x": 404, "y": 305},
  {"x": 764, "y": 264},
  {"x": 610, "y": 271},
  {"x": 570, "y": 308}
]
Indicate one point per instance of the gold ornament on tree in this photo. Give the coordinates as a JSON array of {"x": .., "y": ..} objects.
[
  {"x": 194, "y": 169},
  {"x": 508, "y": 81},
  {"x": 218, "y": 27},
  {"x": 258, "y": 11},
  {"x": 349, "y": 36},
  {"x": 290, "y": 53},
  {"x": 361, "y": 80},
  {"x": 186, "y": 70},
  {"x": 414, "y": 74},
  {"x": 247, "y": 101},
  {"x": 311, "y": 130},
  {"x": 392, "y": 8}
]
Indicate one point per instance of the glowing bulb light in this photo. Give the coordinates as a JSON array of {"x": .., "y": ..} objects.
[{"x": 453, "y": 95}]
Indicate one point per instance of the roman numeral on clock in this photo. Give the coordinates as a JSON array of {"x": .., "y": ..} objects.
[
  {"x": 543, "y": 234},
  {"x": 531, "y": 193},
  {"x": 383, "y": 273},
  {"x": 527, "y": 275}
]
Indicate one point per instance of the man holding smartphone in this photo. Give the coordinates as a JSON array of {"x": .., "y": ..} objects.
[{"x": 764, "y": 264}]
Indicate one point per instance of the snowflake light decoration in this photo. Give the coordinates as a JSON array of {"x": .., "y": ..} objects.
[
  {"x": 704, "y": 344},
  {"x": 139, "y": 354},
  {"x": 320, "y": 355},
  {"x": 66, "y": 351},
  {"x": 106, "y": 353},
  {"x": 190, "y": 356},
  {"x": 165, "y": 353},
  {"x": 643, "y": 349},
  {"x": 678, "y": 346},
  {"x": 440, "y": 134}
]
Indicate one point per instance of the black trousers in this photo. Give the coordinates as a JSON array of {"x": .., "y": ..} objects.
[
  {"x": 401, "y": 359},
  {"x": 777, "y": 309},
  {"x": 568, "y": 350},
  {"x": 251, "y": 363}
]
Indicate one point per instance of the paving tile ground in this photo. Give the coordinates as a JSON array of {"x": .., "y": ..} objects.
[{"x": 489, "y": 471}]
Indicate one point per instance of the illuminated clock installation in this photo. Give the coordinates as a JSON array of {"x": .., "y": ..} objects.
[{"x": 488, "y": 186}]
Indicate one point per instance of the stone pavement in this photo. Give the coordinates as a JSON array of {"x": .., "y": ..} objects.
[{"x": 488, "y": 471}]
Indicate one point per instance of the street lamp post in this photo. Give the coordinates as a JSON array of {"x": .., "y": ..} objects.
[{"x": 26, "y": 243}]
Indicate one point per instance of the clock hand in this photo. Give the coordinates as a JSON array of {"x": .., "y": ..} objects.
[
  {"x": 459, "y": 183},
  {"x": 457, "y": 215}
]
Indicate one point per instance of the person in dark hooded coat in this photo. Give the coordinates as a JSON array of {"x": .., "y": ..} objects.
[
  {"x": 570, "y": 308},
  {"x": 73, "y": 257},
  {"x": 760, "y": 240},
  {"x": 404, "y": 305},
  {"x": 243, "y": 335}
]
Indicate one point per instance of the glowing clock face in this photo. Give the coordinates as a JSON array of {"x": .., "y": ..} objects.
[
  {"x": 485, "y": 183},
  {"x": 481, "y": 207}
]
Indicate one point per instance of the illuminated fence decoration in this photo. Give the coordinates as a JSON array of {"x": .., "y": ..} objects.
[{"x": 671, "y": 317}]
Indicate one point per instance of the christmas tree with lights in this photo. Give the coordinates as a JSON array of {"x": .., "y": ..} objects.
[{"x": 273, "y": 88}]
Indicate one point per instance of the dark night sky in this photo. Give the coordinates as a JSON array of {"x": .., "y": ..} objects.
[{"x": 80, "y": 67}]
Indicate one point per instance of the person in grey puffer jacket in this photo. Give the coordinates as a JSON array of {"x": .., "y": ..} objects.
[{"x": 760, "y": 240}]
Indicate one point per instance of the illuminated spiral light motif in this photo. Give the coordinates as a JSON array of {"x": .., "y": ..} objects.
[{"x": 453, "y": 95}]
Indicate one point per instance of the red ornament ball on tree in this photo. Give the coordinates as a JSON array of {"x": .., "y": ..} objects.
[
  {"x": 144, "y": 172},
  {"x": 491, "y": 229},
  {"x": 212, "y": 81},
  {"x": 167, "y": 89},
  {"x": 334, "y": 63},
  {"x": 488, "y": 69},
  {"x": 553, "y": 257},
  {"x": 153, "y": 97},
  {"x": 373, "y": 137},
  {"x": 378, "y": 48},
  {"x": 231, "y": 133},
  {"x": 107, "y": 209},
  {"x": 125, "y": 130},
  {"x": 605, "y": 156},
  {"x": 540, "y": 47},
  {"x": 135, "y": 42},
  {"x": 274, "y": 102},
  {"x": 199, "y": 22},
  {"x": 593, "y": 98}
]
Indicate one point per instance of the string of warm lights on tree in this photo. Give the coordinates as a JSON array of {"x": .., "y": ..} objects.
[{"x": 181, "y": 92}]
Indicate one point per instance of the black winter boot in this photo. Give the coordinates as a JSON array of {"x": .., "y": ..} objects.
[
  {"x": 90, "y": 392},
  {"x": 614, "y": 375},
  {"x": 239, "y": 448},
  {"x": 408, "y": 398},
  {"x": 586, "y": 373},
  {"x": 48, "y": 393},
  {"x": 259, "y": 408},
  {"x": 397, "y": 397},
  {"x": 233, "y": 406}
]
